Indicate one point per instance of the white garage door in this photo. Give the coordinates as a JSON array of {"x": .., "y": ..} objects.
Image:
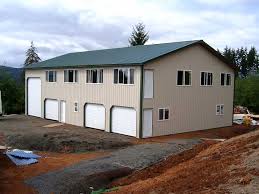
[
  {"x": 124, "y": 121},
  {"x": 51, "y": 109},
  {"x": 95, "y": 116},
  {"x": 34, "y": 97}
]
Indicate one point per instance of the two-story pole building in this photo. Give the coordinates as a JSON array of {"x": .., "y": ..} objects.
[{"x": 140, "y": 91}]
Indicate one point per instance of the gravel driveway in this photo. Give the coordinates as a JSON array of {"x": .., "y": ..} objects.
[{"x": 75, "y": 179}]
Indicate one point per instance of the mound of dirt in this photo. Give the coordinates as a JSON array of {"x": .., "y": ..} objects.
[
  {"x": 230, "y": 166},
  {"x": 60, "y": 142},
  {"x": 31, "y": 133}
]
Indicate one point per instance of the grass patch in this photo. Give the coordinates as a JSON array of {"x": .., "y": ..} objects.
[{"x": 100, "y": 191}]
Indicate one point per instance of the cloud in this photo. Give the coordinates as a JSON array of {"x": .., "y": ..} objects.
[{"x": 63, "y": 26}]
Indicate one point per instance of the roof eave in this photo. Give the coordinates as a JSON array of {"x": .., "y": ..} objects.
[
  {"x": 217, "y": 54},
  {"x": 174, "y": 51},
  {"x": 84, "y": 66},
  {"x": 204, "y": 44}
]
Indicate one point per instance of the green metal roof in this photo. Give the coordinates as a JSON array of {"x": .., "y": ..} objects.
[{"x": 134, "y": 55}]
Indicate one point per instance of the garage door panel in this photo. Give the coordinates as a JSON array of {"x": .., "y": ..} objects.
[
  {"x": 51, "y": 109},
  {"x": 95, "y": 116},
  {"x": 34, "y": 97},
  {"x": 124, "y": 121}
]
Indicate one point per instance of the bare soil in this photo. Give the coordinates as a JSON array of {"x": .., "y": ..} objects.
[
  {"x": 207, "y": 168},
  {"x": 231, "y": 166},
  {"x": 216, "y": 133},
  {"x": 163, "y": 166},
  {"x": 33, "y": 133},
  {"x": 24, "y": 132},
  {"x": 12, "y": 177}
]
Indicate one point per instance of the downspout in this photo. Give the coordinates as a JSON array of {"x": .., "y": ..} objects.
[
  {"x": 25, "y": 93},
  {"x": 234, "y": 88},
  {"x": 141, "y": 101},
  {"x": 1, "y": 109}
]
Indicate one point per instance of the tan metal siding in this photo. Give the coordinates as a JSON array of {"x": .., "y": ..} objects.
[
  {"x": 191, "y": 107},
  {"x": 108, "y": 94}
]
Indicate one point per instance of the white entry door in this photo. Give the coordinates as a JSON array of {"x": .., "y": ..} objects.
[
  {"x": 124, "y": 121},
  {"x": 95, "y": 116},
  {"x": 147, "y": 123},
  {"x": 51, "y": 109},
  {"x": 62, "y": 111},
  {"x": 34, "y": 97}
]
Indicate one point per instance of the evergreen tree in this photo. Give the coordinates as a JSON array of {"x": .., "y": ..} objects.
[
  {"x": 138, "y": 36},
  {"x": 231, "y": 57},
  {"x": 252, "y": 60},
  {"x": 12, "y": 94},
  {"x": 247, "y": 92},
  {"x": 32, "y": 56},
  {"x": 242, "y": 61},
  {"x": 247, "y": 62}
]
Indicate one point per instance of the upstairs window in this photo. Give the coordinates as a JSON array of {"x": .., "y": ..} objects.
[
  {"x": 225, "y": 79},
  {"x": 220, "y": 109},
  {"x": 124, "y": 76},
  {"x": 94, "y": 76},
  {"x": 51, "y": 76},
  {"x": 206, "y": 79},
  {"x": 70, "y": 76},
  {"x": 228, "y": 81},
  {"x": 222, "y": 79},
  {"x": 163, "y": 114},
  {"x": 183, "y": 78}
]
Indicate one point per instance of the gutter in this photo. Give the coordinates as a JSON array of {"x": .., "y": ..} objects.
[
  {"x": 234, "y": 88},
  {"x": 1, "y": 108},
  {"x": 82, "y": 66}
]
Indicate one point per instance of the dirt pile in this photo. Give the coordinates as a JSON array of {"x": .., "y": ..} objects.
[
  {"x": 2, "y": 139},
  {"x": 31, "y": 133},
  {"x": 229, "y": 166}
]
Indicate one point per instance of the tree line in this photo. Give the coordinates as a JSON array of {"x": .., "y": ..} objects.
[
  {"x": 245, "y": 60},
  {"x": 13, "y": 90}
]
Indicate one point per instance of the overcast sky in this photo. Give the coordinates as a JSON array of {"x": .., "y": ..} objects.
[{"x": 63, "y": 26}]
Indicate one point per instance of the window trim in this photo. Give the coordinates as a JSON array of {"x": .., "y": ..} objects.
[
  {"x": 74, "y": 80},
  {"x": 164, "y": 115},
  {"x": 90, "y": 70},
  {"x": 183, "y": 77},
  {"x": 220, "y": 105},
  {"x": 212, "y": 79},
  {"x": 225, "y": 79},
  {"x": 129, "y": 68},
  {"x": 47, "y": 77}
]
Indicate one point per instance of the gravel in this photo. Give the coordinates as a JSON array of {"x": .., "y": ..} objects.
[{"x": 134, "y": 157}]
